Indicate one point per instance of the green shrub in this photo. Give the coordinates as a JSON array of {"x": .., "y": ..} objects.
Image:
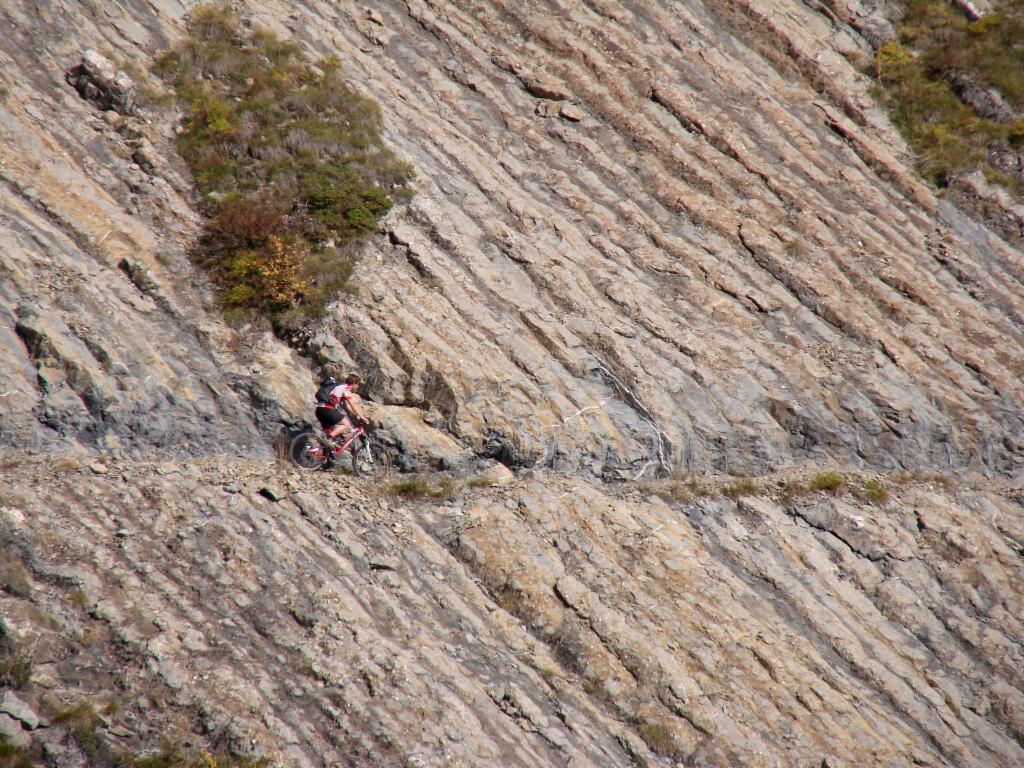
[
  {"x": 289, "y": 161},
  {"x": 827, "y": 481},
  {"x": 914, "y": 74}
]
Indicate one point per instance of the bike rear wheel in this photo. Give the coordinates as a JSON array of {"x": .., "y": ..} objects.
[{"x": 307, "y": 452}]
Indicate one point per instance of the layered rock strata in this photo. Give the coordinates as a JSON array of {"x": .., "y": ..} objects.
[
  {"x": 108, "y": 336},
  {"x": 644, "y": 237},
  {"x": 316, "y": 621},
  {"x": 721, "y": 260}
]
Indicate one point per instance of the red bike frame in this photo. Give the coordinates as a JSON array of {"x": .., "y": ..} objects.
[{"x": 357, "y": 432}]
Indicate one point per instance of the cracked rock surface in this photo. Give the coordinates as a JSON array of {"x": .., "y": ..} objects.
[
  {"x": 722, "y": 259},
  {"x": 658, "y": 237},
  {"x": 643, "y": 236},
  {"x": 542, "y": 622}
]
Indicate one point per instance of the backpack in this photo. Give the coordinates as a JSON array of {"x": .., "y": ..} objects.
[{"x": 323, "y": 394}]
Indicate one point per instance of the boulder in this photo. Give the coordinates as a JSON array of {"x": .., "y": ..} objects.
[
  {"x": 495, "y": 473},
  {"x": 543, "y": 87},
  {"x": 16, "y": 735},
  {"x": 17, "y": 708},
  {"x": 416, "y": 444},
  {"x": 97, "y": 80},
  {"x": 571, "y": 112}
]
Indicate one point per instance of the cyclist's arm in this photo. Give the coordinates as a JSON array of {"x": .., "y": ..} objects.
[{"x": 353, "y": 409}]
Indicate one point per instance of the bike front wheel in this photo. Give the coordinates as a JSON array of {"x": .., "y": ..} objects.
[
  {"x": 368, "y": 459},
  {"x": 307, "y": 452}
]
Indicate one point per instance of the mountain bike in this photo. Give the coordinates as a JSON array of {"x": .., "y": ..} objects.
[{"x": 311, "y": 450}]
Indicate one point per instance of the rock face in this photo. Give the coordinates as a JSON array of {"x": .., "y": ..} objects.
[
  {"x": 608, "y": 266},
  {"x": 675, "y": 278},
  {"x": 540, "y": 623},
  {"x": 109, "y": 337},
  {"x": 646, "y": 238}
]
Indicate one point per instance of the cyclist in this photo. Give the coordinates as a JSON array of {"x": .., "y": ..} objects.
[{"x": 337, "y": 407}]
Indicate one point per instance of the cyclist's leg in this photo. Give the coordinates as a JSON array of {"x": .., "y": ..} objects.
[
  {"x": 345, "y": 425},
  {"x": 332, "y": 421}
]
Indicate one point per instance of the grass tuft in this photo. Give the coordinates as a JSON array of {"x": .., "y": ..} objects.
[
  {"x": 793, "y": 489},
  {"x": 12, "y": 756},
  {"x": 79, "y": 599},
  {"x": 942, "y": 481},
  {"x": 11, "y": 461},
  {"x": 15, "y": 578},
  {"x": 660, "y": 738},
  {"x": 419, "y": 487},
  {"x": 744, "y": 487},
  {"x": 831, "y": 482},
  {"x": 872, "y": 490},
  {"x": 83, "y": 712},
  {"x": 414, "y": 487}
]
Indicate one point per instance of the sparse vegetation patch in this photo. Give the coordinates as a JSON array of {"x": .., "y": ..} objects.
[
  {"x": 670, "y": 490},
  {"x": 289, "y": 161},
  {"x": 14, "y": 576},
  {"x": 926, "y": 77},
  {"x": 173, "y": 756},
  {"x": 942, "y": 481},
  {"x": 660, "y": 738},
  {"x": 11, "y": 461},
  {"x": 793, "y": 489},
  {"x": 82, "y": 721},
  {"x": 832, "y": 482},
  {"x": 418, "y": 487},
  {"x": 15, "y": 660},
  {"x": 738, "y": 488},
  {"x": 12, "y": 756},
  {"x": 872, "y": 490},
  {"x": 85, "y": 723}
]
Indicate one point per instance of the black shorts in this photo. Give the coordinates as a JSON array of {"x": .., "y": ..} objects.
[{"x": 330, "y": 417}]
